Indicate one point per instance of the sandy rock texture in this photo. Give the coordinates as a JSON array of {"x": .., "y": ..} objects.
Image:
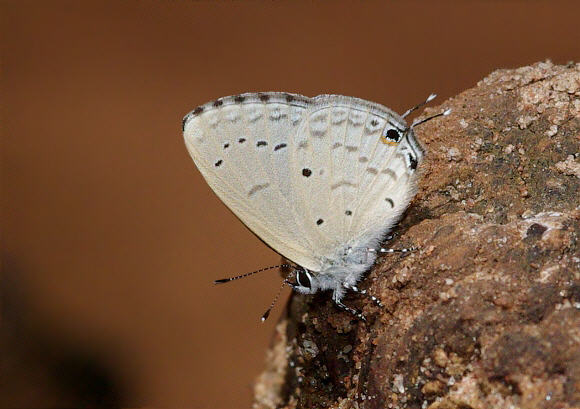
[{"x": 486, "y": 313}]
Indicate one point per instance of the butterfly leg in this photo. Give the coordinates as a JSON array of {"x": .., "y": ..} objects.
[
  {"x": 406, "y": 250},
  {"x": 374, "y": 299},
  {"x": 390, "y": 237},
  {"x": 354, "y": 312}
]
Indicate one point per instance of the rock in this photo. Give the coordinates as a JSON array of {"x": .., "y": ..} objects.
[{"x": 488, "y": 314}]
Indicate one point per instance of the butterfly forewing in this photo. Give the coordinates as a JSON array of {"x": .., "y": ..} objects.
[{"x": 246, "y": 163}]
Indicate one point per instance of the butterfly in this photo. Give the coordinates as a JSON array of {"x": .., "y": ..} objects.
[{"x": 320, "y": 180}]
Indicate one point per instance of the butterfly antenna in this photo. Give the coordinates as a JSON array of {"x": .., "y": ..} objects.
[
  {"x": 444, "y": 113},
  {"x": 429, "y": 98},
  {"x": 227, "y": 280},
  {"x": 267, "y": 313}
]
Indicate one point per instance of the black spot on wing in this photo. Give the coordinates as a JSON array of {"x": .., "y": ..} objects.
[
  {"x": 280, "y": 146},
  {"x": 390, "y": 201},
  {"x": 299, "y": 99},
  {"x": 218, "y": 163},
  {"x": 239, "y": 99},
  {"x": 393, "y": 135},
  {"x": 261, "y": 143},
  {"x": 306, "y": 172},
  {"x": 319, "y": 222},
  {"x": 412, "y": 162},
  {"x": 187, "y": 117},
  {"x": 217, "y": 103},
  {"x": 242, "y": 140},
  {"x": 348, "y": 213},
  {"x": 264, "y": 97}
]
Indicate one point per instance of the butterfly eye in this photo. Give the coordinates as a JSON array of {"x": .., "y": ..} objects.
[{"x": 303, "y": 279}]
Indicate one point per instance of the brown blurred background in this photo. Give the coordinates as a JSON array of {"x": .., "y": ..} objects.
[{"x": 110, "y": 237}]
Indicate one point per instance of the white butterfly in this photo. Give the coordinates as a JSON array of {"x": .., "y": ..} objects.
[{"x": 320, "y": 180}]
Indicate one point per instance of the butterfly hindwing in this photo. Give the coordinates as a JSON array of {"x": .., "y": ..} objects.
[{"x": 351, "y": 171}]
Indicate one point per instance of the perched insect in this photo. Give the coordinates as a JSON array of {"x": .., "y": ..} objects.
[{"x": 320, "y": 180}]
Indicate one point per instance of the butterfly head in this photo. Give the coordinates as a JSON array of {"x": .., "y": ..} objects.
[{"x": 305, "y": 281}]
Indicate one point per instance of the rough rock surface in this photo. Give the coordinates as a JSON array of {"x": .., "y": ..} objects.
[{"x": 486, "y": 313}]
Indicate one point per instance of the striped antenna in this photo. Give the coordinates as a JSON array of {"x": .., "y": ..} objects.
[
  {"x": 267, "y": 313},
  {"x": 429, "y": 98},
  {"x": 227, "y": 280},
  {"x": 444, "y": 113}
]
